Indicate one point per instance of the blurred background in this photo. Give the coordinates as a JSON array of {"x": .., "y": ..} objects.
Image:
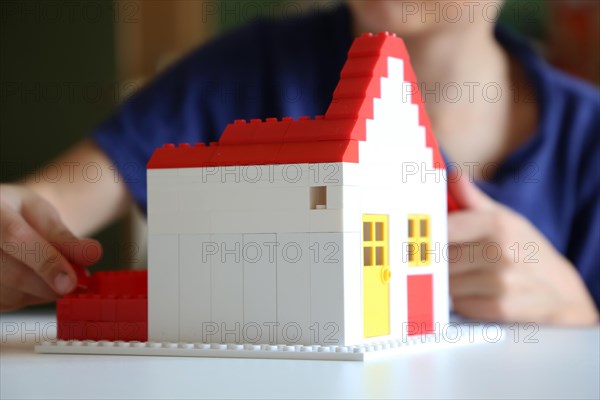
[{"x": 65, "y": 66}]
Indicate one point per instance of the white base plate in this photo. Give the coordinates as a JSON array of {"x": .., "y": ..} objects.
[{"x": 340, "y": 353}]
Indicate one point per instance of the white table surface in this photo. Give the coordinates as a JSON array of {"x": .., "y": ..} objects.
[{"x": 564, "y": 363}]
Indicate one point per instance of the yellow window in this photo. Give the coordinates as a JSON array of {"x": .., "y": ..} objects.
[{"x": 419, "y": 240}]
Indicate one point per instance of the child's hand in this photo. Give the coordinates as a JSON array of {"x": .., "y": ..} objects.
[
  {"x": 503, "y": 269},
  {"x": 37, "y": 251}
]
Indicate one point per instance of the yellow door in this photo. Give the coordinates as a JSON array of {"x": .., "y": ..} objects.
[{"x": 376, "y": 275}]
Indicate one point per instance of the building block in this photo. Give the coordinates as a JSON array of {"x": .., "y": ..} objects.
[
  {"x": 88, "y": 330},
  {"x": 288, "y": 238},
  {"x": 352, "y": 279},
  {"x": 293, "y": 288},
  {"x": 109, "y": 308},
  {"x": 132, "y": 331},
  {"x": 103, "y": 330},
  {"x": 326, "y": 254},
  {"x": 378, "y": 122},
  {"x": 120, "y": 283},
  {"x": 86, "y": 308},
  {"x": 195, "y": 289},
  {"x": 240, "y": 132},
  {"x": 420, "y": 304},
  {"x": 329, "y": 151},
  {"x": 83, "y": 277},
  {"x": 131, "y": 309},
  {"x": 353, "y": 100},
  {"x": 326, "y": 174},
  {"x": 227, "y": 285},
  {"x": 365, "y": 352},
  {"x": 366, "y": 56},
  {"x": 320, "y": 129},
  {"x": 259, "y": 254},
  {"x": 95, "y": 313},
  {"x": 260, "y": 221},
  {"x": 272, "y": 130},
  {"x": 327, "y": 220},
  {"x": 163, "y": 285}
]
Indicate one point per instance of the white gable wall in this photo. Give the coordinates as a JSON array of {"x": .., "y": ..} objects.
[
  {"x": 397, "y": 201},
  {"x": 396, "y": 177}
]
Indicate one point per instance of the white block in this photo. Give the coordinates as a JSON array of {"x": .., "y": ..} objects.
[
  {"x": 256, "y": 198},
  {"x": 240, "y": 221},
  {"x": 398, "y": 256},
  {"x": 344, "y": 197},
  {"x": 193, "y": 201},
  {"x": 224, "y": 198},
  {"x": 326, "y": 220},
  {"x": 227, "y": 285},
  {"x": 335, "y": 197},
  {"x": 299, "y": 175},
  {"x": 178, "y": 211},
  {"x": 163, "y": 287},
  {"x": 259, "y": 254},
  {"x": 259, "y": 221},
  {"x": 327, "y": 288},
  {"x": 162, "y": 202},
  {"x": 194, "y": 287},
  {"x": 399, "y": 135},
  {"x": 189, "y": 171},
  {"x": 353, "y": 288},
  {"x": 293, "y": 288},
  {"x": 291, "y": 174},
  {"x": 159, "y": 173},
  {"x": 325, "y": 174},
  {"x": 286, "y": 199},
  {"x": 352, "y": 174},
  {"x": 384, "y": 348},
  {"x": 193, "y": 223},
  {"x": 164, "y": 224}
]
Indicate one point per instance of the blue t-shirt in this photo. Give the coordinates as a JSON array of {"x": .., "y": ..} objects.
[{"x": 290, "y": 68}]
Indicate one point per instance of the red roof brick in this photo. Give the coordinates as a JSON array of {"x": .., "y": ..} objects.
[{"x": 330, "y": 138}]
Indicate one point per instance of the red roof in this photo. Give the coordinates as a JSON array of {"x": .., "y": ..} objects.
[{"x": 330, "y": 138}]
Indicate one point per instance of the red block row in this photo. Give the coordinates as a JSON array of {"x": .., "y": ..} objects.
[
  {"x": 329, "y": 138},
  {"x": 86, "y": 307},
  {"x": 301, "y": 152},
  {"x": 119, "y": 283},
  {"x": 92, "y": 330},
  {"x": 114, "y": 306},
  {"x": 360, "y": 83}
]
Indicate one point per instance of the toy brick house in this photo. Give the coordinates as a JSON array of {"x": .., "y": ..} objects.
[{"x": 329, "y": 230}]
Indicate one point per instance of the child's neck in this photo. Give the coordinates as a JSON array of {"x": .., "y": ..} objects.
[{"x": 467, "y": 81}]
